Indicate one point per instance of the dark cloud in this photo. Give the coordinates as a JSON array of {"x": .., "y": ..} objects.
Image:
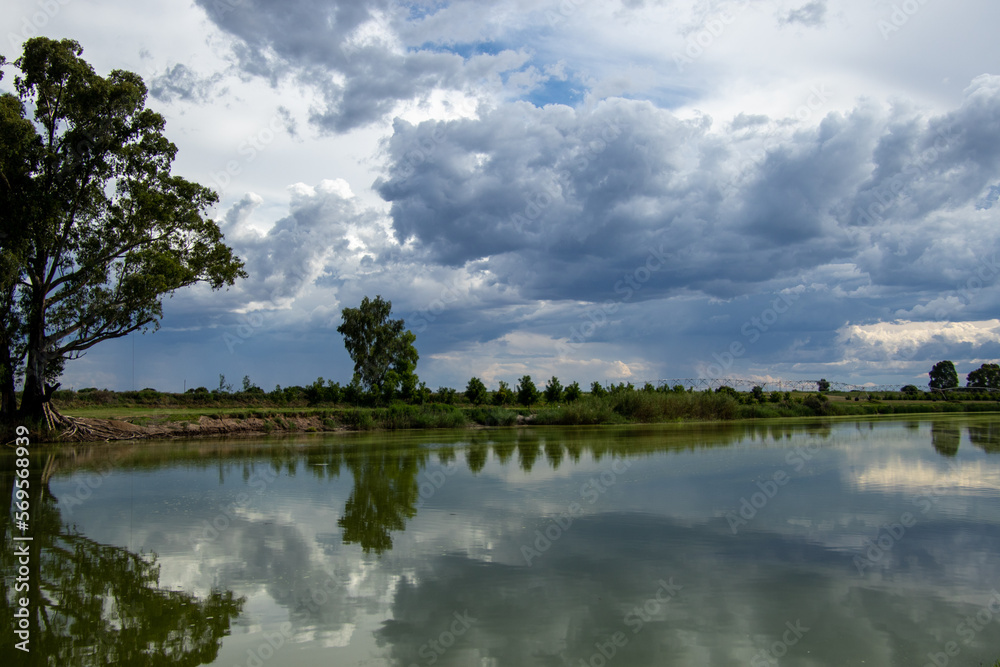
[
  {"x": 349, "y": 53},
  {"x": 564, "y": 203},
  {"x": 180, "y": 82},
  {"x": 812, "y": 14}
]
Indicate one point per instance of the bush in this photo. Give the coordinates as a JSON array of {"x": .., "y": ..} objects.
[{"x": 493, "y": 416}]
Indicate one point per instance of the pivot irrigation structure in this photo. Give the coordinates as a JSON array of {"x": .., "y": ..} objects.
[{"x": 746, "y": 384}]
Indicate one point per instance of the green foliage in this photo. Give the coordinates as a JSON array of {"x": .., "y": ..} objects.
[
  {"x": 986, "y": 376},
  {"x": 597, "y": 389},
  {"x": 503, "y": 395},
  {"x": 758, "y": 393},
  {"x": 943, "y": 375},
  {"x": 823, "y": 385},
  {"x": 553, "y": 390},
  {"x": 527, "y": 392},
  {"x": 92, "y": 222},
  {"x": 475, "y": 391},
  {"x": 910, "y": 390},
  {"x": 573, "y": 392},
  {"x": 385, "y": 359},
  {"x": 493, "y": 416},
  {"x": 818, "y": 403},
  {"x": 446, "y": 395}
]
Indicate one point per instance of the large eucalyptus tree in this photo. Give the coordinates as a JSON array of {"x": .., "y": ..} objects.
[{"x": 94, "y": 228}]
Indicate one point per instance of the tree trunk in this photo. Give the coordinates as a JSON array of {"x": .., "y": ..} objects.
[
  {"x": 34, "y": 399},
  {"x": 8, "y": 394}
]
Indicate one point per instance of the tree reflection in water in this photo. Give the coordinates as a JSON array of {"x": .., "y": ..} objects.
[
  {"x": 98, "y": 604},
  {"x": 384, "y": 495}
]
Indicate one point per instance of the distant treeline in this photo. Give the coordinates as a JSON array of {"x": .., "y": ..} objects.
[{"x": 614, "y": 404}]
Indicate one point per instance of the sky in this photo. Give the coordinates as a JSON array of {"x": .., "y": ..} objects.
[{"x": 621, "y": 191}]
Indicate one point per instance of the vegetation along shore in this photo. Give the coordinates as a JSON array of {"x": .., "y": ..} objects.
[{"x": 100, "y": 414}]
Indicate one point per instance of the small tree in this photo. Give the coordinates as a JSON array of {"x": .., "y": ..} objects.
[
  {"x": 573, "y": 392},
  {"x": 823, "y": 385},
  {"x": 597, "y": 389},
  {"x": 446, "y": 395},
  {"x": 553, "y": 390},
  {"x": 758, "y": 393},
  {"x": 943, "y": 376},
  {"x": 503, "y": 395},
  {"x": 986, "y": 376},
  {"x": 475, "y": 391},
  {"x": 527, "y": 392}
]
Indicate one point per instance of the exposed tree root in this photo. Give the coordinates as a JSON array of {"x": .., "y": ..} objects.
[{"x": 71, "y": 429}]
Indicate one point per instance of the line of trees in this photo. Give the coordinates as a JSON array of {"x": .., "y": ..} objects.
[{"x": 944, "y": 376}]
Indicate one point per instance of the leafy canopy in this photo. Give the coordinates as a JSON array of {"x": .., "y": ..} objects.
[
  {"x": 94, "y": 228},
  {"x": 943, "y": 375},
  {"x": 385, "y": 359}
]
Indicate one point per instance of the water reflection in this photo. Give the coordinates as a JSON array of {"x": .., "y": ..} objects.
[
  {"x": 986, "y": 437},
  {"x": 384, "y": 495},
  {"x": 402, "y": 549},
  {"x": 945, "y": 438},
  {"x": 93, "y": 603}
]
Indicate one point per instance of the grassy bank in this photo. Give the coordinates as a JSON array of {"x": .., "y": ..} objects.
[{"x": 622, "y": 405}]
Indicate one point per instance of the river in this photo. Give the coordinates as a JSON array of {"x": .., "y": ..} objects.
[{"x": 788, "y": 543}]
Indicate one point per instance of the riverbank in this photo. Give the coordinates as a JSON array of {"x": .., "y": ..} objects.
[{"x": 133, "y": 422}]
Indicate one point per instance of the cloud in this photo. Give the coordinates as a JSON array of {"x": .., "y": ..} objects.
[
  {"x": 351, "y": 54},
  {"x": 563, "y": 203},
  {"x": 315, "y": 241},
  {"x": 180, "y": 82},
  {"x": 903, "y": 340},
  {"x": 811, "y": 14}
]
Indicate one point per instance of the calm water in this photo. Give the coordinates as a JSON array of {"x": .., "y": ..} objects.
[{"x": 847, "y": 543}]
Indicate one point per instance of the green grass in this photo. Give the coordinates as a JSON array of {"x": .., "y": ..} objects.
[{"x": 617, "y": 407}]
